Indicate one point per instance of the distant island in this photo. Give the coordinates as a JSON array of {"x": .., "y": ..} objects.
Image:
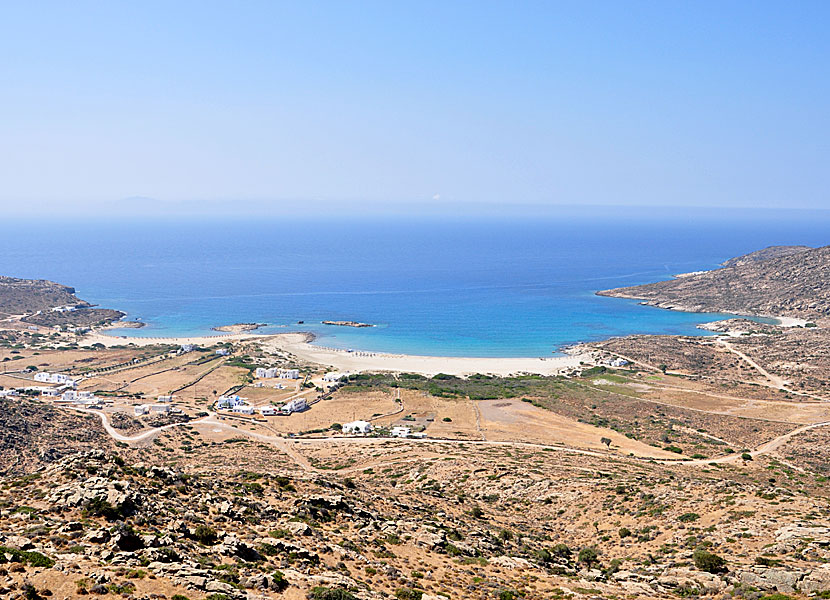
[{"x": 347, "y": 324}]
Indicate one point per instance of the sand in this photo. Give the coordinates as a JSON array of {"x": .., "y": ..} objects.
[
  {"x": 205, "y": 340},
  {"x": 299, "y": 345},
  {"x": 353, "y": 362}
]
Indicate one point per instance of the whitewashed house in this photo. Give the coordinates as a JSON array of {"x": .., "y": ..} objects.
[
  {"x": 400, "y": 432},
  {"x": 69, "y": 396},
  {"x": 164, "y": 399},
  {"x": 45, "y": 377},
  {"x": 141, "y": 409},
  {"x": 228, "y": 402},
  {"x": 223, "y": 352},
  {"x": 267, "y": 411},
  {"x": 185, "y": 348},
  {"x": 243, "y": 409},
  {"x": 289, "y": 374},
  {"x": 160, "y": 408},
  {"x": 296, "y": 405},
  {"x": 266, "y": 373},
  {"x": 357, "y": 427},
  {"x": 334, "y": 376}
]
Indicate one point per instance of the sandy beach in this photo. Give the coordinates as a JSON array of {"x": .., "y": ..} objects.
[
  {"x": 299, "y": 345},
  {"x": 341, "y": 360},
  {"x": 96, "y": 337}
]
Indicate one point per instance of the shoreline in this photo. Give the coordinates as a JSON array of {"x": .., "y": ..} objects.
[{"x": 300, "y": 345}]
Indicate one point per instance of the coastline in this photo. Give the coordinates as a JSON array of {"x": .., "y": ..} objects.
[{"x": 300, "y": 345}]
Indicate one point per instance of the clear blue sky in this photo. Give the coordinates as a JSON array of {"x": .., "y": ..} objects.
[{"x": 422, "y": 103}]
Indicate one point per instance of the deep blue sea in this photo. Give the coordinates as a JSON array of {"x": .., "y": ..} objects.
[{"x": 480, "y": 286}]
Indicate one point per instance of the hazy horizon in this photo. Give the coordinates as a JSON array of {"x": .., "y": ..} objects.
[{"x": 411, "y": 108}]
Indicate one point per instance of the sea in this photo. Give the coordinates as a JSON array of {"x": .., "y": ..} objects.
[{"x": 490, "y": 285}]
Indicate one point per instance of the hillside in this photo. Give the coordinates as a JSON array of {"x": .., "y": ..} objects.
[
  {"x": 34, "y": 299},
  {"x": 33, "y": 433},
  {"x": 778, "y": 281},
  {"x": 24, "y": 296},
  {"x": 764, "y": 254}
]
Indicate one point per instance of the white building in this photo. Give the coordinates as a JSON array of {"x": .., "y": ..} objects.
[
  {"x": 160, "y": 408},
  {"x": 400, "y": 432},
  {"x": 50, "y": 392},
  {"x": 64, "y": 309},
  {"x": 289, "y": 374},
  {"x": 223, "y": 352},
  {"x": 267, "y": 411},
  {"x": 363, "y": 427},
  {"x": 229, "y": 401},
  {"x": 141, "y": 409},
  {"x": 296, "y": 405},
  {"x": 164, "y": 399},
  {"x": 334, "y": 376},
  {"x": 618, "y": 362},
  {"x": 187, "y": 348},
  {"x": 69, "y": 396},
  {"x": 7, "y": 393},
  {"x": 244, "y": 409},
  {"x": 264, "y": 373},
  {"x": 45, "y": 377}
]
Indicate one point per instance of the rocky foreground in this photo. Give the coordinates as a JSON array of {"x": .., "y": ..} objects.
[{"x": 438, "y": 527}]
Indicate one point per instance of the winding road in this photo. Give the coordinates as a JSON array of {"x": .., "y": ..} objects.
[{"x": 289, "y": 446}]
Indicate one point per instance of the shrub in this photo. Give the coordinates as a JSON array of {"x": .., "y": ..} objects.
[
  {"x": 326, "y": 593},
  {"x": 624, "y": 532},
  {"x": 205, "y": 535},
  {"x": 408, "y": 594},
  {"x": 707, "y": 561},
  {"x": 588, "y": 556},
  {"x": 688, "y": 517},
  {"x": 34, "y": 559},
  {"x": 280, "y": 581},
  {"x": 746, "y": 456}
]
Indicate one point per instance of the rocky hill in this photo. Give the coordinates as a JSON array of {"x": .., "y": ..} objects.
[
  {"x": 24, "y": 296},
  {"x": 34, "y": 299},
  {"x": 33, "y": 433},
  {"x": 777, "y": 281},
  {"x": 764, "y": 254}
]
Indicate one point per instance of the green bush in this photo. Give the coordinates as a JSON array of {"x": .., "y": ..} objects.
[
  {"x": 326, "y": 593},
  {"x": 34, "y": 559},
  {"x": 205, "y": 535},
  {"x": 707, "y": 561},
  {"x": 408, "y": 594},
  {"x": 588, "y": 556},
  {"x": 688, "y": 517},
  {"x": 624, "y": 532}
]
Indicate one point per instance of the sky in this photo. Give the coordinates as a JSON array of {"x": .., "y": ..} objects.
[{"x": 272, "y": 107}]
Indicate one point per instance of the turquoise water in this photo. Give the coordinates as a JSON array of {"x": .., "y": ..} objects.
[{"x": 481, "y": 287}]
